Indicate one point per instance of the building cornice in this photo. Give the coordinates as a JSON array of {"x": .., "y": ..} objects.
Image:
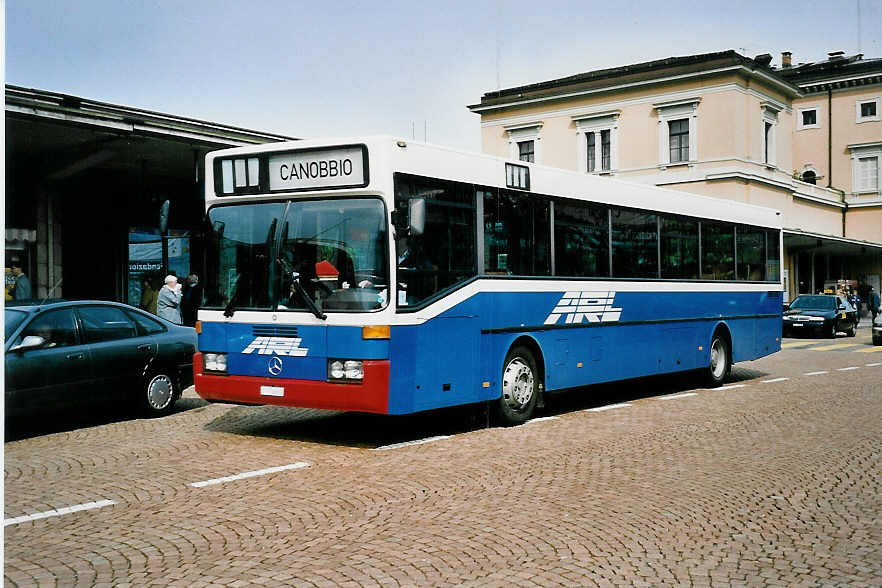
[
  {"x": 786, "y": 88},
  {"x": 576, "y": 111}
]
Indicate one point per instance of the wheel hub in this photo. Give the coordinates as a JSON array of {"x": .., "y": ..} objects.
[
  {"x": 718, "y": 359},
  {"x": 517, "y": 384},
  {"x": 159, "y": 392}
]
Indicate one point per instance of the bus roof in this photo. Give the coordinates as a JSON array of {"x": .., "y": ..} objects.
[{"x": 394, "y": 154}]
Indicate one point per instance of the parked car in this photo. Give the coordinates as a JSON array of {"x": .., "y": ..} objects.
[
  {"x": 877, "y": 330},
  {"x": 70, "y": 353},
  {"x": 824, "y": 314}
]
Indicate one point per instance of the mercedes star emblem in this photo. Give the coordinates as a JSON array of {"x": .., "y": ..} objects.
[{"x": 275, "y": 365}]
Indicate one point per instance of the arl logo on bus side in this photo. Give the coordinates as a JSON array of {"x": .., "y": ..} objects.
[
  {"x": 578, "y": 307},
  {"x": 277, "y": 345}
]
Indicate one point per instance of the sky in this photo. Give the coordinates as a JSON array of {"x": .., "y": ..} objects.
[{"x": 346, "y": 68}]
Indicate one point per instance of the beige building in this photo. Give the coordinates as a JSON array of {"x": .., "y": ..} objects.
[{"x": 805, "y": 140}]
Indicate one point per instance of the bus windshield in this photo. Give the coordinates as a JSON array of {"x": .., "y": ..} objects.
[{"x": 324, "y": 256}]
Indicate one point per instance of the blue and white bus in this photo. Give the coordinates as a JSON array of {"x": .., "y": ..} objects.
[{"x": 389, "y": 276}]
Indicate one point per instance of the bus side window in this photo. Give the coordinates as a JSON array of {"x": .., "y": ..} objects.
[{"x": 444, "y": 254}]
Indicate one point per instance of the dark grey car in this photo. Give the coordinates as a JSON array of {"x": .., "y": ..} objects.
[{"x": 64, "y": 354}]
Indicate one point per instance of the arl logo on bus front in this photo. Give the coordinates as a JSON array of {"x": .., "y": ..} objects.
[
  {"x": 579, "y": 307},
  {"x": 277, "y": 345},
  {"x": 327, "y": 168}
]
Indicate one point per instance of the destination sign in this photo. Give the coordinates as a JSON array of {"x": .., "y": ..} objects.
[{"x": 327, "y": 168}]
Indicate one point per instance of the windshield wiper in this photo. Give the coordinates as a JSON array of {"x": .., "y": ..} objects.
[
  {"x": 295, "y": 277},
  {"x": 288, "y": 270}
]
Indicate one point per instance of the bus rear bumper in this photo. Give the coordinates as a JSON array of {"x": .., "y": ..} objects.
[{"x": 371, "y": 395}]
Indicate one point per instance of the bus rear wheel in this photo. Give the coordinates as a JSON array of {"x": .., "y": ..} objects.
[
  {"x": 520, "y": 387},
  {"x": 719, "y": 365}
]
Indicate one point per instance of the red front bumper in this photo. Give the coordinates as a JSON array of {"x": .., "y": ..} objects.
[{"x": 372, "y": 395}]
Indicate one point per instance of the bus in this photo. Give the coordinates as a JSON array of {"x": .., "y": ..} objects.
[{"x": 388, "y": 276}]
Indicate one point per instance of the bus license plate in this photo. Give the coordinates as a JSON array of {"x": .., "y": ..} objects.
[{"x": 272, "y": 391}]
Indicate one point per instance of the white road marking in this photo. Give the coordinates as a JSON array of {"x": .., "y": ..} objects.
[
  {"x": 607, "y": 407},
  {"x": 773, "y": 380},
  {"x": 290, "y": 466},
  {"x": 409, "y": 443},
  {"x": 815, "y": 373},
  {"x": 732, "y": 386},
  {"x": 848, "y": 369},
  {"x": 676, "y": 396},
  {"x": 58, "y": 512},
  {"x": 873, "y": 364},
  {"x": 540, "y": 419}
]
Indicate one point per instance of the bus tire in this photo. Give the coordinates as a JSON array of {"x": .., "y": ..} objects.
[
  {"x": 158, "y": 393},
  {"x": 520, "y": 387},
  {"x": 719, "y": 364}
]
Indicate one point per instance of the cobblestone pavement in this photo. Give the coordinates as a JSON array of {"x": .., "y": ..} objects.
[{"x": 773, "y": 479}]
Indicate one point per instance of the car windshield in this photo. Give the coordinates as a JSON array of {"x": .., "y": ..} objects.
[
  {"x": 318, "y": 256},
  {"x": 13, "y": 319},
  {"x": 814, "y": 303}
]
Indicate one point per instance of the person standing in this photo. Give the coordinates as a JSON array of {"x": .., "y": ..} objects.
[
  {"x": 22, "y": 289},
  {"x": 168, "y": 304},
  {"x": 874, "y": 302},
  {"x": 191, "y": 300},
  {"x": 148, "y": 296}
]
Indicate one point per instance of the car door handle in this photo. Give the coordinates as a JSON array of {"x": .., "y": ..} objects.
[
  {"x": 75, "y": 356},
  {"x": 145, "y": 347}
]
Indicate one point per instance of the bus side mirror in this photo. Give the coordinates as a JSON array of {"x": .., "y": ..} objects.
[{"x": 416, "y": 215}]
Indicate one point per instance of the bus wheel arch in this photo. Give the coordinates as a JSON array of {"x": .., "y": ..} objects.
[
  {"x": 522, "y": 382},
  {"x": 719, "y": 356}
]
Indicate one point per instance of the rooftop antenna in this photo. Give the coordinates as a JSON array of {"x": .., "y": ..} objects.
[
  {"x": 498, "y": 42},
  {"x": 859, "y": 25}
]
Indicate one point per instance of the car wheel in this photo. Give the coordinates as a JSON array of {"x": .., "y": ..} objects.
[
  {"x": 520, "y": 387},
  {"x": 719, "y": 365},
  {"x": 158, "y": 394}
]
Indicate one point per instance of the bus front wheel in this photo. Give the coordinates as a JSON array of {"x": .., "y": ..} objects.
[
  {"x": 520, "y": 387},
  {"x": 719, "y": 364}
]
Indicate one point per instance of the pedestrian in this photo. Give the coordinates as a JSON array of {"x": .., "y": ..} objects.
[
  {"x": 191, "y": 300},
  {"x": 168, "y": 304},
  {"x": 874, "y": 302},
  {"x": 22, "y": 289},
  {"x": 149, "y": 295}
]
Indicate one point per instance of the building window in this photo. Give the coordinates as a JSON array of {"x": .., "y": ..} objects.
[
  {"x": 598, "y": 150},
  {"x": 767, "y": 134},
  {"x": 770, "y": 123},
  {"x": 526, "y": 152},
  {"x": 678, "y": 137},
  {"x": 677, "y": 131},
  {"x": 867, "y": 110},
  {"x": 525, "y": 142},
  {"x": 865, "y": 170},
  {"x": 867, "y": 174},
  {"x": 605, "y": 151},
  {"x": 808, "y": 119},
  {"x": 590, "y": 137}
]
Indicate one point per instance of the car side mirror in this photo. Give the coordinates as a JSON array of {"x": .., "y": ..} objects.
[{"x": 30, "y": 342}]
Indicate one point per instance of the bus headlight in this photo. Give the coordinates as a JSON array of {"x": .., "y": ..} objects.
[
  {"x": 215, "y": 362},
  {"x": 345, "y": 369}
]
